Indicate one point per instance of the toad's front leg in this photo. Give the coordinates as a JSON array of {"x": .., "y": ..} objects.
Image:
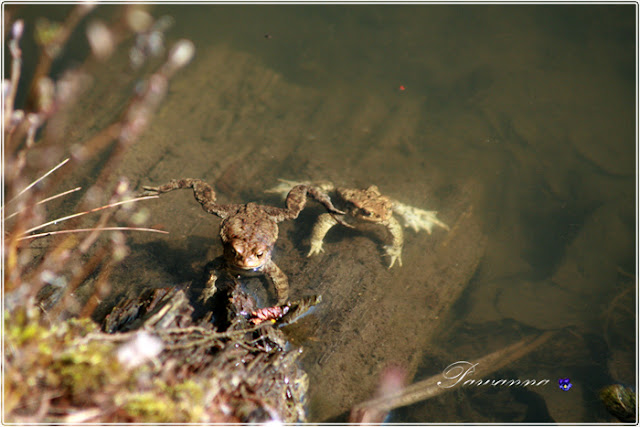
[
  {"x": 320, "y": 229},
  {"x": 297, "y": 199},
  {"x": 212, "y": 270},
  {"x": 203, "y": 193},
  {"x": 279, "y": 280},
  {"x": 394, "y": 251}
]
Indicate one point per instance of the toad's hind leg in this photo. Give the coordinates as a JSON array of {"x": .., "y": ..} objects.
[
  {"x": 418, "y": 219},
  {"x": 203, "y": 193}
]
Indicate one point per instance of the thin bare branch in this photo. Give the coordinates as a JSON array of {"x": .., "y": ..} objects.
[
  {"x": 48, "y": 199},
  {"x": 64, "y": 218},
  {"x": 83, "y": 230},
  {"x": 59, "y": 165}
]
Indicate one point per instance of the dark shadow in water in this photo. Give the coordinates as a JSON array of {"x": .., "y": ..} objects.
[{"x": 162, "y": 266}]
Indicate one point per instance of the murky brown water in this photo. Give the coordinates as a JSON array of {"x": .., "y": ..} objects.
[{"x": 525, "y": 113}]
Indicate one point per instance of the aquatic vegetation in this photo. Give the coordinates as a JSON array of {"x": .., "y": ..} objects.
[
  {"x": 620, "y": 401},
  {"x": 47, "y": 363},
  {"x": 70, "y": 372}
]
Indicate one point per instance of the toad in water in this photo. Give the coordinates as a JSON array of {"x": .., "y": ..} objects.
[
  {"x": 248, "y": 232},
  {"x": 367, "y": 205}
]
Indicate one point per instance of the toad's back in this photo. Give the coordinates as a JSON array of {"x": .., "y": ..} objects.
[{"x": 250, "y": 223}]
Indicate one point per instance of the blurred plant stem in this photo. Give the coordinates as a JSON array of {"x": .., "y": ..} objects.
[
  {"x": 68, "y": 260},
  {"x": 377, "y": 409}
]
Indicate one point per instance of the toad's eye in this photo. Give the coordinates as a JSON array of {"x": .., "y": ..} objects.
[
  {"x": 365, "y": 212},
  {"x": 237, "y": 248},
  {"x": 260, "y": 254}
]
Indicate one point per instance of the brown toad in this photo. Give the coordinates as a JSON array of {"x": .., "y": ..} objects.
[
  {"x": 369, "y": 206},
  {"x": 248, "y": 232}
]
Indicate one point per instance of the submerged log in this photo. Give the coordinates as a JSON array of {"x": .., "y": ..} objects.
[{"x": 371, "y": 317}]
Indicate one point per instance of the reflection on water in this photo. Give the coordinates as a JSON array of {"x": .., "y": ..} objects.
[{"x": 536, "y": 103}]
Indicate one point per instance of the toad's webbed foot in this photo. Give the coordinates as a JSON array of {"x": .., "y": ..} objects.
[
  {"x": 394, "y": 253},
  {"x": 202, "y": 191},
  {"x": 418, "y": 219},
  {"x": 150, "y": 191},
  {"x": 316, "y": 247}
]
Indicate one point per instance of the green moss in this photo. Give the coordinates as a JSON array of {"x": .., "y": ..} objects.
[
  {"x": 60, "y": 360},
  {"x": 149, "y": 407},
  {"x": 620, "y": 401},
  {"x": 178, "y": 403},
  {"x": 56, "y": 359},
  {"x": 189, "y": 398},
  {"x": 88, "y": 368},
  {"x": 22, "y": 328}
]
